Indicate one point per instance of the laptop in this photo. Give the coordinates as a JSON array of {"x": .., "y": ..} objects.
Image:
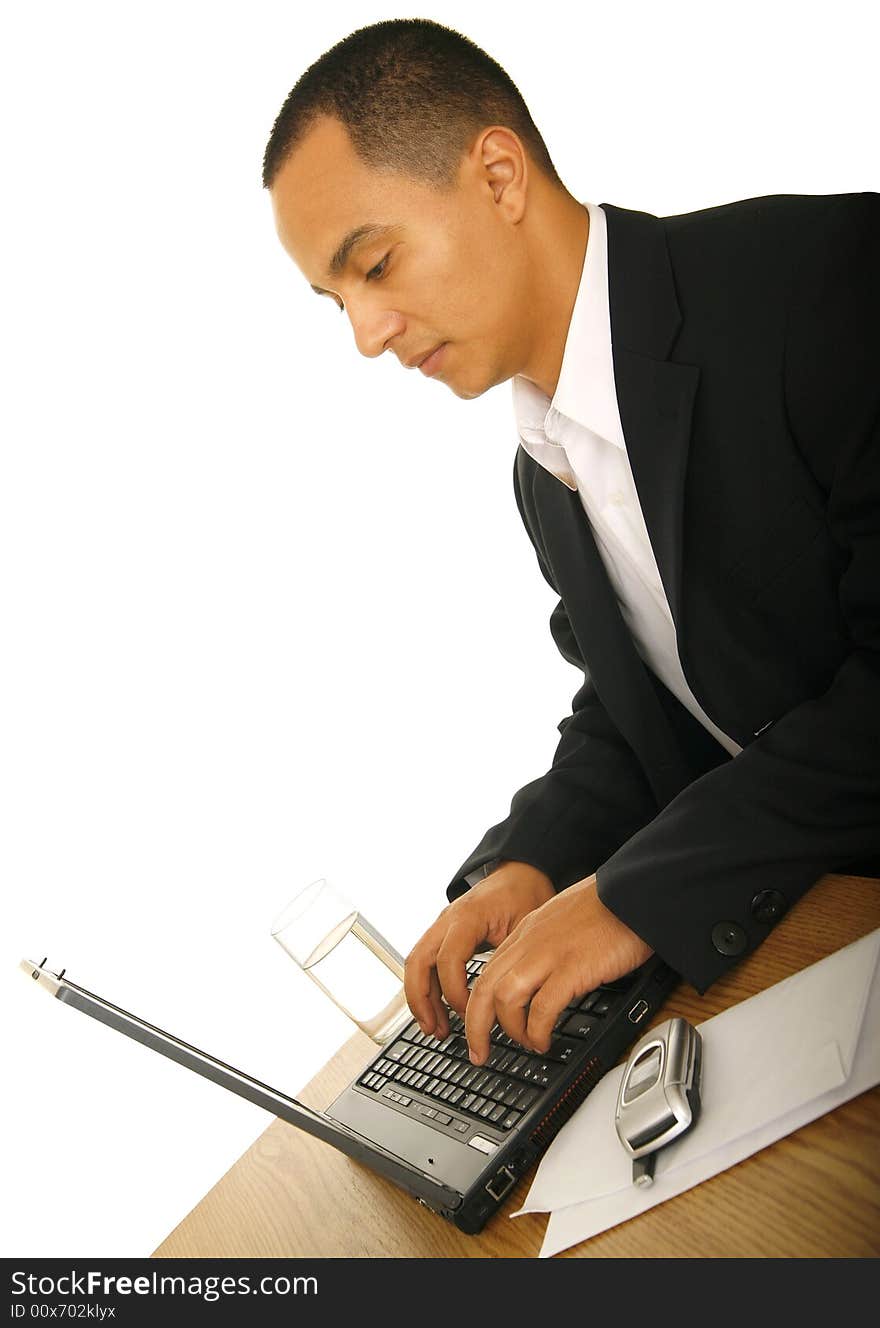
[{"x": 455, "y": 1136}]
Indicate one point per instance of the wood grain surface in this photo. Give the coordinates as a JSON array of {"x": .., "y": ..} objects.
[{"x": 815, "y": 1193}]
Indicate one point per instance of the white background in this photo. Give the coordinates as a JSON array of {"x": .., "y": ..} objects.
[{"x": 268, "y": 611}]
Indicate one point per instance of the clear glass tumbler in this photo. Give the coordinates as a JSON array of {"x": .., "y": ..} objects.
[{"x": 347, "y": 957}]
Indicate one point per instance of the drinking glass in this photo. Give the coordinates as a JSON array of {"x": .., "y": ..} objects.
[{"x": 348, "y": 958}]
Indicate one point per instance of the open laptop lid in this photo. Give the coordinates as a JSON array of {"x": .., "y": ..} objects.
[{"x": 279, "y": 1104}]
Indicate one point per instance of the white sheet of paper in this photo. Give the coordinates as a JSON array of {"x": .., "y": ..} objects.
[{"x": 770, "y": 1064}]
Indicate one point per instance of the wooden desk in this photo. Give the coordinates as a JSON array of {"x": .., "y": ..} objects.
[{"x": 814, "y": 1193}]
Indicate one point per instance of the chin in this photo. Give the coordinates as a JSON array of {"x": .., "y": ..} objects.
[
  {"x": 467, "y": 394},
  {"x": 468, "y": 391}
]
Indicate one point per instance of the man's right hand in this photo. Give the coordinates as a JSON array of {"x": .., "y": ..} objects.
[{"x": 485, "y": 916}]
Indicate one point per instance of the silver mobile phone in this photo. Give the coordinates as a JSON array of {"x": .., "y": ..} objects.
[{"x": 659, "y": 1096}]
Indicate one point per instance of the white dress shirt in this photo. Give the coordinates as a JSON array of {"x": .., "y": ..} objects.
[{"x": 579, "y": 438}]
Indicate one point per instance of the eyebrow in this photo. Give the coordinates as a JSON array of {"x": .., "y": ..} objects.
[{"x": 340, "y": 259}]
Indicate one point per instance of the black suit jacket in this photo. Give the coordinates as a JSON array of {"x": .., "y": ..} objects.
[{"x": 747, "y": 368}]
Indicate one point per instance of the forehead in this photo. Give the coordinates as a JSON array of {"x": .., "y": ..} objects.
[{"x": 324, "y": 191}]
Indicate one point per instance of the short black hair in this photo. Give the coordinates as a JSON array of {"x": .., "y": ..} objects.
[{"x": 412, "y": 95}]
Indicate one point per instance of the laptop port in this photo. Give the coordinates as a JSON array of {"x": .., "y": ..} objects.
[
  {"x": 501, "y": 1183},
  {"x": 638, "y": 1012}
]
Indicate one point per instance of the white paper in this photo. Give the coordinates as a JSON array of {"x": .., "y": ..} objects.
[{"x": 770, "y": 1064}]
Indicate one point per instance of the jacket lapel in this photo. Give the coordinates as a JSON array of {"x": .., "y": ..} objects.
[
  {"x": 656, "y": 399},
  {"x": 655, "y": 396}
]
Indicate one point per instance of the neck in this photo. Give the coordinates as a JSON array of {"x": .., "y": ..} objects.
[{"x": 559, "y": 246}]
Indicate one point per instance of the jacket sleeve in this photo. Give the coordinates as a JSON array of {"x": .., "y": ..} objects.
[
  {"x": 705, "y": 880},
  {"x": 593, "y": 797}
]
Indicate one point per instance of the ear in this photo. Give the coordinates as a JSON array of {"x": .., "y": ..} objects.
[{"x": 502, "y": 164}]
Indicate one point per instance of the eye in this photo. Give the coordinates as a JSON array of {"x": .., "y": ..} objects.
[{"x": 377, "y": 272}]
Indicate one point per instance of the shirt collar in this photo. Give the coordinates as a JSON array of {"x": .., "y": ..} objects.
[{"x": 585, "y": 390}]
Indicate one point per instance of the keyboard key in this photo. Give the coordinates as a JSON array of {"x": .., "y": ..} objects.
[
  {"x": 602, "y": 1005},
  {"x": 589, "y": 1001},
  {"x": 510, "y": 1120},
  {"x": 486, "y": 1110},
  {"x": 562, "y": 1049},
  {"x": 493, "y": 1085},
  {"x": 580, "y": 1025},
  {"x": 497, "y": 1112},
  {"x": 442, "y": 1118}
]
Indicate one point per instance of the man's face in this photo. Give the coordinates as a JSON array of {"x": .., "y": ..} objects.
[{"x": 448, "y": 268}]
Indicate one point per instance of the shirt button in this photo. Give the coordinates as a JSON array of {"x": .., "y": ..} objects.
[
  {"x": 769, "y": 906},
  {"x": 728, "y": 938}
]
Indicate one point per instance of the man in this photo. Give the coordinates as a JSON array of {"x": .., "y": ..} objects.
[{"x": 698, "y": 402}]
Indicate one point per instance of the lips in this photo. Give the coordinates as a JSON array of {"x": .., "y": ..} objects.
[
  {"x": 431, "y": 363},
  {"x": 419, "y": 360}
]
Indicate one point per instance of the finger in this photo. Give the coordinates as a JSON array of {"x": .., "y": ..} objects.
[
  {"x": 440, "y": 1026},
  {"x": 420, "y": 983},
  {"x": 513, "y": 994},
  {"x": 459, "y": 944},
  {"x": 545, "y": 1006},
  {"x": 479, "y": 1017}
]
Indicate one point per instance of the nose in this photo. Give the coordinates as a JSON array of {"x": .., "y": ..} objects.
[{"x": 373, "y": 328}]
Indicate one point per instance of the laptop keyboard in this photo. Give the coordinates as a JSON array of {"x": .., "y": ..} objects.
[{"x": 502, "y": 1090}]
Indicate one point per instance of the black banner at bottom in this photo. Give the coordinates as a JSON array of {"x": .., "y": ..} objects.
[{"x": 131, "y": 1292}]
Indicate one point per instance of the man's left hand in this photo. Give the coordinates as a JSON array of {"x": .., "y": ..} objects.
[{"x": 568, "y": 946}]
